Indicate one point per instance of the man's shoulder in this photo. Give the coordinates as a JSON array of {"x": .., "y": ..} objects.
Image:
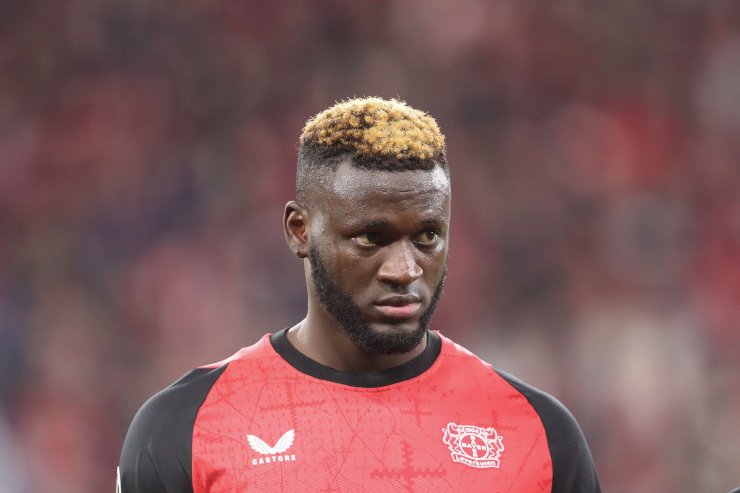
[
  {"x": 167, "y": 417},
  {"x": 537, "y": 397},
  {"x": 553, "y": 414},
  {"x": 572, "y": 463},
  {"x": 480, "y": 371},
  {"x": 157, "y": 450},
  {"x": 547, "y": 406},
  {"x": 573, "y": 468},
  {"x": 179, "y": 397},
  {"x": 190, "y": 390}
]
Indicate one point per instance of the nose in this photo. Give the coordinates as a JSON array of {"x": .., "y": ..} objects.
[{"x": 399, "y": 266}]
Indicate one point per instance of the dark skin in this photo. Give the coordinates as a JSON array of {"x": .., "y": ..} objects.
[{"x": 383, "y": 237}]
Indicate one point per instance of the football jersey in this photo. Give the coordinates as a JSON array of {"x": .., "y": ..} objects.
[{"x": 269, "y": 419}]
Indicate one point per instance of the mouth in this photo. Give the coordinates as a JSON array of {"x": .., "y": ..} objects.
[{"x": 399, "y": 307}]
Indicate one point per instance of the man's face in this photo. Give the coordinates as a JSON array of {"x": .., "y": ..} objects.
[{"x": 378, "y": 254}]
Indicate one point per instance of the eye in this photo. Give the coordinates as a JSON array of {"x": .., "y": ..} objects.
[
  {"x": 367, "y": 239},
  {"x": 427, "y": 238}
]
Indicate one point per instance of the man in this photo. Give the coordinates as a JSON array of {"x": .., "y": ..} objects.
[{"x": 360, "y": 396}]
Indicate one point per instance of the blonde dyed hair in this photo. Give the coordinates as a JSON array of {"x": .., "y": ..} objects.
[
  {"x": 375, "y": 134},
  {"x": 376, "y": 128}
]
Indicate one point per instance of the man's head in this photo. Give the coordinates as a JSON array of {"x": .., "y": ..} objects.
[{"x": 372, "y": 220}]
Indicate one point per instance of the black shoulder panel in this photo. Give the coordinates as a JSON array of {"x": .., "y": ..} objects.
[
  {"x": 157, "y": 452},
  {"x": 573, "y": 470}
]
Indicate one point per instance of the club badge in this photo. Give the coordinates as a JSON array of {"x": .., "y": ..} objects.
[{"x": 473, "y": 446}]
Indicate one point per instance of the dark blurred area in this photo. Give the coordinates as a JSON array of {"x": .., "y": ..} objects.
[{"x": 147, "y": 149}]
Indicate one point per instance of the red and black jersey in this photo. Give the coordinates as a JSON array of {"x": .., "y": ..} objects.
[{"x": 269, "y": 419}]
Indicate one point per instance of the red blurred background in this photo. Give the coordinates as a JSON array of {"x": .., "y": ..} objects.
[{"x": 147, "y": 149}]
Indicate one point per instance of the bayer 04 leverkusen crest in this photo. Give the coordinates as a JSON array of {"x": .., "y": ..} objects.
[{"x": 474, "y": 446}]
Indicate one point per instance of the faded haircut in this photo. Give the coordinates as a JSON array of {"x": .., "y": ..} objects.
[{"x": 375, "y": 134}]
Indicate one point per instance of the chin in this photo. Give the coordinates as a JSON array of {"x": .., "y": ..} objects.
[
  {"x": 390, "y": 338},
  {"x": 394, "y": 327}
]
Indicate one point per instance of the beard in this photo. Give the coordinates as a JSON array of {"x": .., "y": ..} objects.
[{"x": 339, "y": 304}]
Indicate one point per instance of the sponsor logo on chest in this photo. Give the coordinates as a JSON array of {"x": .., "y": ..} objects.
[{"x": 276, "y": 453}]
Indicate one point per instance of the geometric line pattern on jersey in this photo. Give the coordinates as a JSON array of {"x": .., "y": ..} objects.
[
  {"x": 407, "y": 474},
  {"x": 290, "y": 403},
  {"x": 501, "y": 427},
  {"x": 259, "y": 446},
  {"x": 416, "y": 412}
]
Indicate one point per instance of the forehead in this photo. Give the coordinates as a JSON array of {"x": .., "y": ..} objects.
[{"x": 355, "y": 190}]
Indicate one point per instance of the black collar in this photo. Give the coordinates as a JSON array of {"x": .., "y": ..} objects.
[{"x": 406, "y": 371}]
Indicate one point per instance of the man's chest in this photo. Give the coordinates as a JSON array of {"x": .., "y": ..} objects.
[{"x": 307, "y": 435}]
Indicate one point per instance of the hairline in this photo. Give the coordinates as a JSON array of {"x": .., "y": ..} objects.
[{"x": 311, "y": 177}]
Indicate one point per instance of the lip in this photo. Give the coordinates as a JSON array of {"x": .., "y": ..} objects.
[{"x": 399, "y": 307}]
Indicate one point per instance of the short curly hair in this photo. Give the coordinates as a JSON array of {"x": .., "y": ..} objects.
[{"x": 375, "y": 133}]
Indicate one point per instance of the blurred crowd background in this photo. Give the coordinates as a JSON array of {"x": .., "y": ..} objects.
[{"x": 147, "y": 148}]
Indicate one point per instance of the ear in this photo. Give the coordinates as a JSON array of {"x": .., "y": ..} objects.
[{"x": 295, "y": 226}]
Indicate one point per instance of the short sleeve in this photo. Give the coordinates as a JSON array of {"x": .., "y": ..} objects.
[
  {"x": 573, "y": 467},
  {"x": 157, "y": 451}
]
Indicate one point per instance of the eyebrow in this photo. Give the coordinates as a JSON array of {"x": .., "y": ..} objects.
[
  {"x": 372, "y": 225},
  {"x": 378, "y": 224},
  {"x": 434, "y": 221}
]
